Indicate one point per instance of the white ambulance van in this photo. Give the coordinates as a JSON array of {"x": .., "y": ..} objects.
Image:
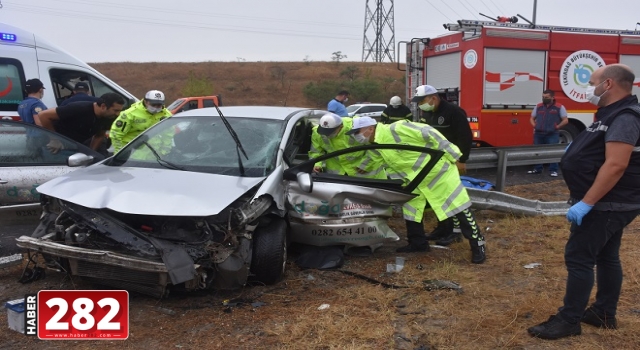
[{"x": 24, "y": 56}]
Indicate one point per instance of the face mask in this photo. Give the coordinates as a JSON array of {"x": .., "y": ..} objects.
[
  {"x": 345, "y": 100},
  {"x": 547, "y": 101},
  {"x": 591, "y": 94},
  {"x": 153, "y": 110},
  {"x": 333, "y": 134},
  {"x": 360, "y": 138},
  {"x": 427, "y": 107}
]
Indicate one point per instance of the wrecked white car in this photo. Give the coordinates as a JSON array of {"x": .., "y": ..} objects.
[{"x": 203, "y": 201}]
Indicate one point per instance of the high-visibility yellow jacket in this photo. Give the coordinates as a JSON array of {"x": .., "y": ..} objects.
[
  {"x": 441, "y": 187},
  {"x": 133, "y": 121},
  {"x": 346, "y": 164}
]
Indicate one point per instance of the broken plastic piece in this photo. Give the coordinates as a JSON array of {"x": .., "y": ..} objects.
[
  {"x": 323, "y": 307},
  {"x": 532, "y": 265},
  {"x": 399, "y": 263},
  {"x": 391, "y": 268}
]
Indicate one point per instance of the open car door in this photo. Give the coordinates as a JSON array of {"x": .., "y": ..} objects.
[
  {"x": 26, "y": 163},
  {"x": 328, "y": 209}
]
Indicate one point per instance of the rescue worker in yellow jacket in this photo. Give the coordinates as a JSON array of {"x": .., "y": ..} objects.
[
  {"x": 138, "y": 118},
  {"x": 330, "y": 135},
  {"x": 441, "y": 188}
]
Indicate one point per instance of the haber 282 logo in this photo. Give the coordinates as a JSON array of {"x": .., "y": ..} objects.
[
  {"x": 576, "y": 72},
  {"x": 78, "y": 314}
]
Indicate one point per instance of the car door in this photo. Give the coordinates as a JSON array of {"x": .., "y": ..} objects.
[
  {"x": 376, "y": 112},
  {"x": 365, "y": 111},
  {"x": 329, "y": 209},
  {"x": 26, "y": 163}
]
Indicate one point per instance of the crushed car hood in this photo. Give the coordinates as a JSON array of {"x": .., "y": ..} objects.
[{"x": 149, "y": 191}]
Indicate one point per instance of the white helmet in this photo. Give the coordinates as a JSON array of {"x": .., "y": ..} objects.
[
  {"x": 154, "y": 96},
  {"x": 395, "y": 101}
]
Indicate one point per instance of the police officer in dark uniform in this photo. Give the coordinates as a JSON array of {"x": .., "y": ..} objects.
[
  {"x": 451, "y": 121},
  {"x": 602, "y": 170},
  {"x": 80, "y": 93}
]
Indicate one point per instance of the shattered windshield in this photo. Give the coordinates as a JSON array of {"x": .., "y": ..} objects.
[{"x": 203, "y": 144}]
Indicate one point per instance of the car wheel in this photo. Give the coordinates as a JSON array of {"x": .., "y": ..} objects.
[
  {"x": 269, "y": 251},
  {"x": 568, "y": 133}
]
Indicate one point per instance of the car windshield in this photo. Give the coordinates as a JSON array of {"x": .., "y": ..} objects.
[
  {"x": 353, "y": 108},
  {"x": 175, "y": 104},
  {"x": 203, "y": 144}
]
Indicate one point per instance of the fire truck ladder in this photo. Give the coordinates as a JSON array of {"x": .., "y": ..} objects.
[{"x": 466, "y": 25}]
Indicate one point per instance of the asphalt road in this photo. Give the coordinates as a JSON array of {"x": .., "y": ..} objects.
[{"x": 9, "y": 233}]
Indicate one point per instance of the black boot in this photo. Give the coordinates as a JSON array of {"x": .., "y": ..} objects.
[
  {"x": 416, "y": 238},
  {"x": 478, "y": 250},
  {"x": 443, "y": 229},
  {"x": 453, "y": 237}
]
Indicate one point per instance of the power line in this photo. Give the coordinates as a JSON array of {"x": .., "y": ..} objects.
[
  {"x": 474, "y": 9},
  {"x": 129, "y": 20},
  {"x": 465, "y": 6},
  {"x": 205, "y": 14},
  {"x": 454, "y": 11},
  {"x": 147, "y": 9},
  {"x": 488, "y": 9},
  {"x": 437, "y": 9},
  {"x": 504, "y": 13}
]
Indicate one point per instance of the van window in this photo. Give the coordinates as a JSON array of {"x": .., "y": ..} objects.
[
  {"x": 65, "y": 79},
  {"x": 207, "y": 103},
  {"x": 11, "y": 84}
]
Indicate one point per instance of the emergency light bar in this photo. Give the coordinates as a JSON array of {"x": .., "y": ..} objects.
[{"x": 7, "y": 37}]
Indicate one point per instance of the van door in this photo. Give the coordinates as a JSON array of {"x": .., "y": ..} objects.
[
  {"x": 12, "y": 80},
  {"x": 17, "y": 65}
]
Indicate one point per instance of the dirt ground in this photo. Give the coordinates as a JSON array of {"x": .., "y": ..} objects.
[{"x": 498, "y": 301}]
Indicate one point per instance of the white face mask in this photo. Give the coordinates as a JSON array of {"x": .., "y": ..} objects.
[
  {"x": 360, "y": 138},
  {"x": 153, "y": 110},
  {"x": 591, "y": 94}
]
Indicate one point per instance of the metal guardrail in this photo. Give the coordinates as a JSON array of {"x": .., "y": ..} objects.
[
  {"x": 501, "y": 157},
  {"x": 499, "y": 201}
]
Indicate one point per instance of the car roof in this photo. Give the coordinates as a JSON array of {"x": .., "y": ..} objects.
[{"x": 259, "y": 112}]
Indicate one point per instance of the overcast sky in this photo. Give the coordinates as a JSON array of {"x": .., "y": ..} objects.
[{"x": 269, "y": 30}]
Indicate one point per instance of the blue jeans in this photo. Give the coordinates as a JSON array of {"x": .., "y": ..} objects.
[
  {"x": 595, "y": 242},
  {"x": 546, "y": 139}
]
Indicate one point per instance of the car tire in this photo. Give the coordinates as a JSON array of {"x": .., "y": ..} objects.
[
  {"x": 568, "y": 133},
  {"x": 269, "y": 252}
]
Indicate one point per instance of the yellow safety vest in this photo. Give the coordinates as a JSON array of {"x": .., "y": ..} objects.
[{"x": 441, "y": 187}]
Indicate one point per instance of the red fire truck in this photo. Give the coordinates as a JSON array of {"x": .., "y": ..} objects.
[{"x": 497, "y": 71}]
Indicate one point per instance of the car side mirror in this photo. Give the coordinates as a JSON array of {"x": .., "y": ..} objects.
[
  {"x": 305, "y": 182},
  {"x": 79, "y": 159}
]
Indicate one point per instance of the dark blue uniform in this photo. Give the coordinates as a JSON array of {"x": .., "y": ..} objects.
[
  {"x": 79, "y": 97},
  {"x": 29, "y": 107}
]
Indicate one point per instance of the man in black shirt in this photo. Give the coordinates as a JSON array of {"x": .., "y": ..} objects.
[
  {"x": 451, "y": 121},
  {"x": 84, "y": 122}
]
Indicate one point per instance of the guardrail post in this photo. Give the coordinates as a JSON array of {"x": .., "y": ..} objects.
[{"x": 502, "y": 169}]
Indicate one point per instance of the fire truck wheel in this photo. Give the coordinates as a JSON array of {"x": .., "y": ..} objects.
[{"x": 568, "y": 133}]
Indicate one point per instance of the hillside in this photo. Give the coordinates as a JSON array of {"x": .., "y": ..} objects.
[{"x": 253, "y": 83}]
